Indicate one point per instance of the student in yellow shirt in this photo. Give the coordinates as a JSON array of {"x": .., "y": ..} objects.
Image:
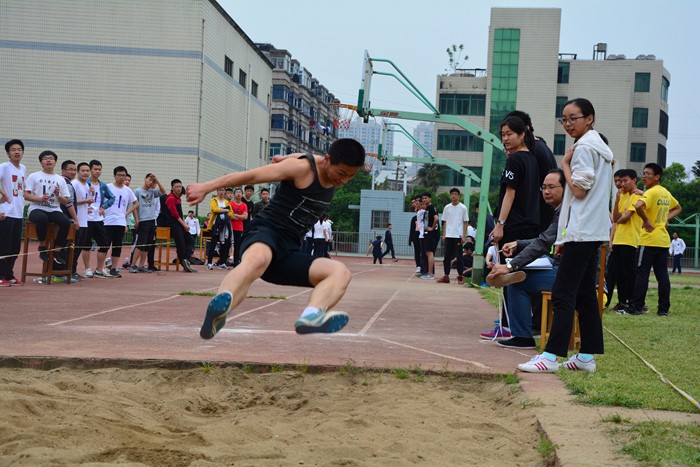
[
  {"x": 628, "y": 228},
  {"x": 656, "y": 207}
]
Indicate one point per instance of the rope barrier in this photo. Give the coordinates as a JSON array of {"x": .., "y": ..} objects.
[
  {"x": 125, "y": 245},
  {"x": 687, "y": 396}
]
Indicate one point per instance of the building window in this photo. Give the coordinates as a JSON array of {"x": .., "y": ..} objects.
[
  {"x": 665, "y": 84},
  {"x": 278, "y": 121},
  {"x": 276, "y": 149},
  {"x": 456, "y": 140},
  {"x": 563, "y": 73},
  {"x": 642, "y": 82},
  {"x": 559, "y": 145},
  {"x": 661, "y": 156},
  {"x": 380, "y": 219},
  {"x": 228, "y": 66},
  {"x": 663, "y": 123},
  {"x": 463, "y": 104},
  {"x": 638, "y": 152},
  {"x": 254, "y": 88},
  {"x": 279, "y": 92},
  {"x": 640, "y": 117},
  {"x": 242, "y": 77},
  {"x": 561, "y": 101}
]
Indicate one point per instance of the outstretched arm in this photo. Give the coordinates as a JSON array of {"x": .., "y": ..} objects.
[{"x": 288, "y": 169}]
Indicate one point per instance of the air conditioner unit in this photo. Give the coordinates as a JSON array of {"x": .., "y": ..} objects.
[
  {"x": 651, "y": 57},
  {"x": 641, "y": 57}
]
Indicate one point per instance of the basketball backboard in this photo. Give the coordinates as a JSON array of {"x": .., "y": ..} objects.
[{"x": 363, "y": 95}]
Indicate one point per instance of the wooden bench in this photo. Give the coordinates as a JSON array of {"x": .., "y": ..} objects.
[
  {"x": 547, "y": 312},
  {"x": 47, "y": 270}
]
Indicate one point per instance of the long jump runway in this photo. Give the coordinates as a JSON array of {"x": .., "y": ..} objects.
[{"x": 396, "y": 320}]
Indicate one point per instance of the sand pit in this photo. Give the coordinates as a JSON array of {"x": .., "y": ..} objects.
[{"x": 226, "y": 416}]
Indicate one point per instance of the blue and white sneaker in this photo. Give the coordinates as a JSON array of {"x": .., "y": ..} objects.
[
  {"x": 217, "y": 312},
  {"x": 326, "y": 322}
]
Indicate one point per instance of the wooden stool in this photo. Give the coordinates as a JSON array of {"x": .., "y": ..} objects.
[
  {"x": 547, "y": 312},
  {"x": 47, "y": 268},
  {"x": 163, "y": 240},
  {"x": 204, "y": 237}
]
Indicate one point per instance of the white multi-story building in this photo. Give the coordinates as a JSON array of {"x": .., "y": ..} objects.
[
  {"x": 424, "y": 133},
  {"x": 302, "y": 119},
  {"x": 528, "y": 72},
  {"x": 172, "y": 87}
]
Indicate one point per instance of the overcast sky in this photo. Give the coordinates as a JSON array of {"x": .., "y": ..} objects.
[{"x": 329, "y": 39}]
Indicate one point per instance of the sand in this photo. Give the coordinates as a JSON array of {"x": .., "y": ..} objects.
[{"x": 226, "y": 416}]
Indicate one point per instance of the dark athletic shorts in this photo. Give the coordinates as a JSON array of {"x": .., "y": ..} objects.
[
  {"x": 289, "y": 266},
  {"x": 431, "y": 241},
  {"x": 96, "y": 232}
]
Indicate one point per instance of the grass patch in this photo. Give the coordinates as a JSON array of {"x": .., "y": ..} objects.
[
  {"x": 207, "y": 367},
  {"x": 276, "y": 368},
  {"x": 248, "y": 368},
  {"x": 190, "y": 293},
  {"x": 545, "y": 447},
  {"x": 349, "y": 369},
  {"x": 302, "y": 368},
  {"x": 621, "y": 379},
  {"x": 660, "y": 443}
]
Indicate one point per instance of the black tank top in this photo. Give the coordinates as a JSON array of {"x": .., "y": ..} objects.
[{"x": 294, "y": 211}]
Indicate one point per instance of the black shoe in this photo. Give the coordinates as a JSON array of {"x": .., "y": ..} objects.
[
  {"x": 662, "y": 313},
  {"x": 518, "y": 343},
  {"x": 59, "y": 261},
  {"x": 630, "y": 310},
  {"x": 43, "y": 254},
  {"x": 186, "y": 266},
  {"x": 153, "y": 268},
  {"x": 114, "y": 273}
]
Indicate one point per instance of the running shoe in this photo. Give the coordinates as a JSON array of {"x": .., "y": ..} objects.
[
  {"x": 321, "y": 321},
  {"x": 133, "y": 269},
  {"x": 16, "y": 283},
  {"x": 186, "y": 266},
  {"x": 4, "y": 283},
  {"x": 539, "y": 364},
  {"x": 496, "y": 333},
  {"x": 217, "y": 312},
  {"x": 108, "y": 262},
  {"x": 144, "y": 270},
  {"x": 417, "y": 269},
  {"x": 518, "y": 343},
  {"x": 460, "y": 280},
  {"x": 43, "y": 254},
  {"x": 88, "y": 273},
  {"x": 444, "y": 280},
  {"x": 428, "y": 277},
  {"x": 574, "y": 364},
  {"x": 114, "y": 273},
  {"x": 104, "y": 274},
  {"x": 210, "y": 266}
]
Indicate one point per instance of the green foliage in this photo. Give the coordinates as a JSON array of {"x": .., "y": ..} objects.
[
  {"x": 456, "y": 61},
  {"x": 674, "y": 173},
  {"x": 695, "y": 169},
  {"x": 662, "y": 443},
  {"x": 545, "y": 447},
  {"x": 345, "y": 219},
  {"x": 430, "y": 175}
]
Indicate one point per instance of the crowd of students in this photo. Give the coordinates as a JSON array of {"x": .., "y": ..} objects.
[{"x": 102, "y": 213}]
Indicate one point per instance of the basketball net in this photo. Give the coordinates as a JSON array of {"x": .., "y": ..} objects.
[{"x": 346, "y": 112}]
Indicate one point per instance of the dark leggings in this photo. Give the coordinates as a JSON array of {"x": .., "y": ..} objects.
[{"x": 42, "y": 219}]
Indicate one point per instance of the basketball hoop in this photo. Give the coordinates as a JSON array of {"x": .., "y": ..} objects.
[{"x": 346, "y": 112}]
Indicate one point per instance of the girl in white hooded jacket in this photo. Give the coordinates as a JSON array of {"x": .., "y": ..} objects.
[{"x": 583, "y": 225}]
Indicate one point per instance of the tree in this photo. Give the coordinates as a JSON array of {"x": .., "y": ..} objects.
[
  {"x": 456, "y": 61},
  {"x": 674, "y": 173},
  {"x": 346, "y": 219},
  {"x": 695, "y": 169},
  {"x": 430, "y": 176}
]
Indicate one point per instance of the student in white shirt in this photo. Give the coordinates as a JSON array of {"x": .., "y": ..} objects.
[{"x": 46, "y": 191}]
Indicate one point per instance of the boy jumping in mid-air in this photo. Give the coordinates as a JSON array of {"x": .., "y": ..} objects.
[{"x": 271, "y": 244}]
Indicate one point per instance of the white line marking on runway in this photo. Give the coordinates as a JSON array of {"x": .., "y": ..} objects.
[
  {"x": 381, "y": 310},
  {"x": 477, "y": 364}
]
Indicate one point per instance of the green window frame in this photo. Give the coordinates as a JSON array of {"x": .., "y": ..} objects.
[
  {"x": 642, "y": 82},
  {"x": 559, "y": 108},
  {"x": 563, "y": 72},
  {"x": 456, "y": 140},
  {"x": 640, "y": 117},
  {"x": 665, "y": 84},
  {"x": 638, "y": 152},
  {"x": 559, "y": 147},
  {"x": 463, "y": 104}
]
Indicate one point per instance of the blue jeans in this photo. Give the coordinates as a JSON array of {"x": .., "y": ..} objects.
[{"x": 520, "y": 297}]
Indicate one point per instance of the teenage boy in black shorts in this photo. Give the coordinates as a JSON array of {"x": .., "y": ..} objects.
[{"x": 271, "y": 244}]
